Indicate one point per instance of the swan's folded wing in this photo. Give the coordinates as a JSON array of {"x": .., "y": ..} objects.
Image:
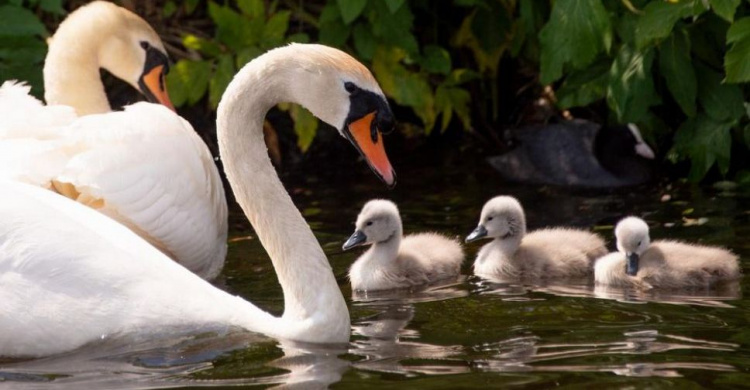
[
  {"x": 148, "y": 169},
  {"x": 24, "y": 116}
]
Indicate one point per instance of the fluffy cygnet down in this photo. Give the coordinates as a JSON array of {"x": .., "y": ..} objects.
[
  {"x": 664, "y": 264},
  {"x": 395, "y": 261},
  {"x": 544, "y": 254}
]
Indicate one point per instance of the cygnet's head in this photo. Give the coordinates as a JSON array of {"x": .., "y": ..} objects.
[
  {"x": 379, "y": 221},
  {"x": 340, "y": 91},
  {"x": 632, "y": 240},
  {"x": 125, "y": 45},
  {"x": 502, "y": 217}
]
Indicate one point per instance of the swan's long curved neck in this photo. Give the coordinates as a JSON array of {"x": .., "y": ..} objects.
[
  {"x": 311, "y": 294},
  {"x": 71, "y": 71}
]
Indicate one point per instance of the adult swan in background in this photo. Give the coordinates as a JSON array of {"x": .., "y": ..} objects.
[
  {"x": 69, "y": 276},
  {"x": 145, "y": 166}
]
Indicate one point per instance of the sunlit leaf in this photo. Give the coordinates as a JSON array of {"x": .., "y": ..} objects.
[
  {"x": 187, "y": 82},
  {"x": 723, "y": 102},
  {"x": 17, "y": 21},
  {"x": 725, "y": 8},
  {"x": 203, "y": 46},
  {"x": 350, "y": 9},
  {"x": 578, "y": 30},
  {"x": 659, "y": 18},
  {"x": 584, "y": 87},
  {"x": 737, "y": 59},
  {"x": 631, "y": 86},
  {"x": 273, "y": 33},
  {"x": 677, "y": 68},
  {"x": 436, "y": 60},
  {"x": 305, "y": 126},
  {"x": 221, "y": 78},
  {"x": 487, "y": 61}
]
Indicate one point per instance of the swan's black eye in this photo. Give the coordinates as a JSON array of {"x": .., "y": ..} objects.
[
  {"x": 145, "y": 45},
  {"x": 639, "y": 243},
  {"x": 369, "y": 223},
  {"x": 489, "y": 218},
  {"x": 350, "y": 87}
]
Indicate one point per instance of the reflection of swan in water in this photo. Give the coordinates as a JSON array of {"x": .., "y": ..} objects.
[
  {"x": 520, "y": 291},
  {"x": 384, "y": 347},
  {"x": 522, "y": 354},
  {"x": 444, "y": 289},
  {"x": 188, "y": 361}
]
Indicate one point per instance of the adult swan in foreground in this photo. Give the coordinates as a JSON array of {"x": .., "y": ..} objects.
[
  {"x": 144, "y": 167},
  {"x": 69, "y": 276}
]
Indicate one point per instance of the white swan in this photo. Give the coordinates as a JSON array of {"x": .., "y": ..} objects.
[
  {"x": 69, "y": 275},
  {"x": 144, "y": 167},
  {"x": 662, "y": 264},
  {"x": 542, "y": 254},
  {"x": 395, "y": 261}
]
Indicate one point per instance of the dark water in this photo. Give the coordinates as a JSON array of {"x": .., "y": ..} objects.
[{"x": 469, "y": 332}]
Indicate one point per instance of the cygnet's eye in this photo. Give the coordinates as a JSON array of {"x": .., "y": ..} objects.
[
  {"x": 350, "y": 87},
  {"x": 369, "y": 223},
  {"x": 639, "y": 243},
  {"x": 490, "y": 218}
]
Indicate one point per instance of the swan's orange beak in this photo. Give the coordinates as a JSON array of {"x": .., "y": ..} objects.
[
  {"x": 156, "y": 87},
  {"x": 369, "y": 142}
]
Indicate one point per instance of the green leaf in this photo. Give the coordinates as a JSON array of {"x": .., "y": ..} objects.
[
  {"x": 722, "y": 102},
  {"x": 631, "y": 86},
  {"x": 394, "y": 5},
  {"x": 252, "y": 8},
  {"x": 187, "y": 81},
  {"x": 405, "y": 87},
  {"x": 737, "y": 59},
  {"x": 169, "y": 9},
  {"x": 364, "y": 41},
  {"x": 222, "y": 76},
  {"x": 436, "y": 60},
  {"x": 491, "y": 25},
  {"x": 16, "y": 21},
  {"x": 246, "y": 55},
  {"x": 350, "y": 9},
  {"x": 658, "y": 19},
  {"x": 725, "y": 8},
  {"x": 273, "y": 33},
  {"x": 578, "y": 30},
  {"x": 333, "y": 31},
  {"x": 232, "y": 29},
  {"x": 449, "y": 100},
  {"x": 705, "y": 142},
  {"x": 393, "y": 29},
  {"x": 190, "y": 6},
  {"x": 52, "y": 6},
  {"x": 203, "y": 46},
  {"x": 298, "y": 38},
  {"x": 677, "y": 68},
  {"x": 305, "y": 125},
  {"x": 584, "y": 87}
]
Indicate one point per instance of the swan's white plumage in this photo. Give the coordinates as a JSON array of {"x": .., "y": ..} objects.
[
  {"x": 663, "y": 264},
  {"x": 144, "y": 167},
  {"x": 542, "y": 254},
  {"x": 394, "y": 261},
  {"x": 69, "y": 275}
]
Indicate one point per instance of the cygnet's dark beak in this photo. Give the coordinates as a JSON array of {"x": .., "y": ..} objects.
[
  {"x": 358, "y": 238},
  {"x": 631, "y": 265},
  {"x": 479, "y": 232}
]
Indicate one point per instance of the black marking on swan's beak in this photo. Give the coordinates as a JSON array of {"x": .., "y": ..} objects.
[
  {"x": 479, "y": 232},
  {"x": 356, "y": 239},
  {"x": 631, "y": 264},
  {"x": 152, "y": 83}
]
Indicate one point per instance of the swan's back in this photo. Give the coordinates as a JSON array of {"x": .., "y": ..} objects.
[
  {"x": 544, "y": 254},
  {"x": 25, "y": 116},
  {"x": 671, "y": 264},
  {"x": 144, "y": 167},
  {"x": 431, "y": 254},
  {"x": 69, "y": 275}
]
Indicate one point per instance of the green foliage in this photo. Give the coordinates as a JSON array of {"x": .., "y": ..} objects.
[
  {"x": 665, "y": 56},
  {"x": 22, "y": 34}
]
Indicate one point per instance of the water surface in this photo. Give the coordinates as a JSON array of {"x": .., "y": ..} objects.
[{"x": 464, "y": 333}]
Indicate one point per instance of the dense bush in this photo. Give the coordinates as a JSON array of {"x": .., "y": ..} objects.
[{"x": 674, "y": 67}]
